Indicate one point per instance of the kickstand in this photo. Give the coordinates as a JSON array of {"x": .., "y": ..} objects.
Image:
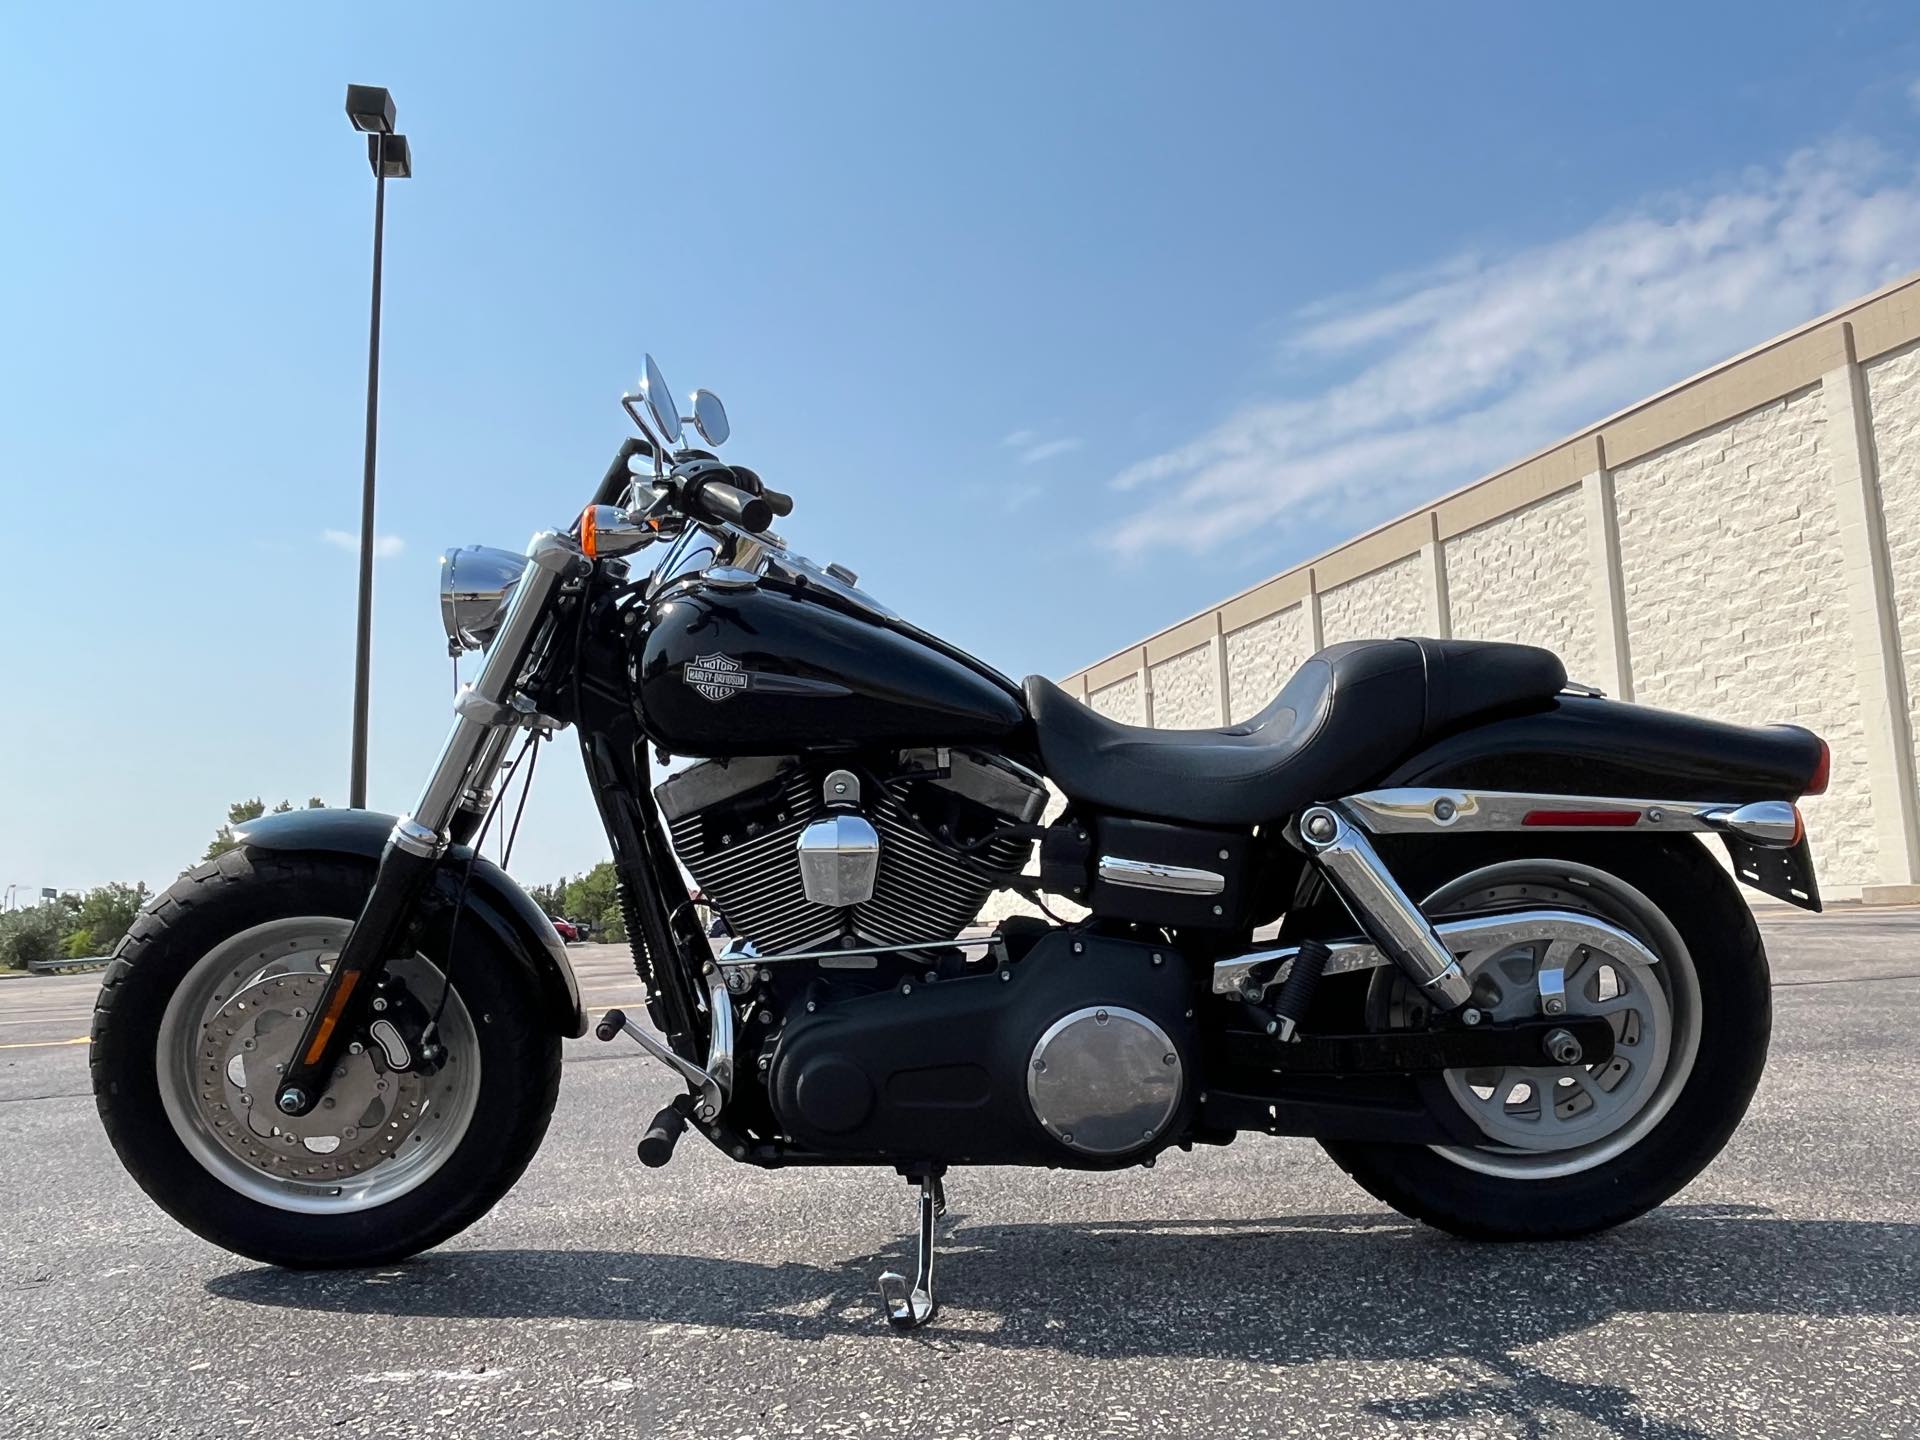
[{"x": 908, "y": 1309}]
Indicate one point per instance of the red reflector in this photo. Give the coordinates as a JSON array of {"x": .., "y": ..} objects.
[
  {"x": 1822, "y": 772},
  {"x": 1581, "y": 819}
]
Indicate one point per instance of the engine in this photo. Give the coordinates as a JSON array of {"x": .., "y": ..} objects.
[
  {"x": 1058, "y": 1047},
  {"x": 799, "y": 856}
]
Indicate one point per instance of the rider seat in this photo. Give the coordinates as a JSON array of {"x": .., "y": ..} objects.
[{"x": 1344, "y": 719}]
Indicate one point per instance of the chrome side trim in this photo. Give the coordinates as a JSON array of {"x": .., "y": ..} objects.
[
  {"x": 1382, "y": 908},
  {"x": 1150, "y": 875},
  {"x": 746, "y": 954},
  {"x": 720, "y": 1046},
  {"x": 1461, "y": 937},
  {"x": 1416, "y": 810}
]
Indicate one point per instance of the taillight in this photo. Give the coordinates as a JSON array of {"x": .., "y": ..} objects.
[{"x": 1822, "y": 772}]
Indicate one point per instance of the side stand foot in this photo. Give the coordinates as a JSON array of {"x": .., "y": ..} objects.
[{"x": 908, "y": 1308}]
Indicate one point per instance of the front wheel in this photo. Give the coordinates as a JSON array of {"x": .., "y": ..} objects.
[
  {"x": 1568, "y": 1150},
  {"x": 199, "y": 1013}
]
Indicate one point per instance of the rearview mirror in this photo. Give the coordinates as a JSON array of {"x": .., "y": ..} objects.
[
  {"x": 660, "y": 405},
  {"x": 710, "y": 417}
]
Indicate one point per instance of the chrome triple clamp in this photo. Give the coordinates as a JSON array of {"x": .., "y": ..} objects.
[{"x": 908, "y": 1308}]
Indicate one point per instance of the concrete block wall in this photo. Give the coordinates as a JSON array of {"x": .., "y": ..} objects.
[
  {"x": 1744, "y": 545},
  {"x": 1893, "y": 397}
]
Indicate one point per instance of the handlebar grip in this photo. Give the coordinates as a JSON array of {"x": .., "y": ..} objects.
[
  {"x": 720, "y": 501},
  {"x": 778, "y": 501}
]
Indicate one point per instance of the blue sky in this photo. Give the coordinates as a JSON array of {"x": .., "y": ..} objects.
[{"x": 1061, "y": 321}]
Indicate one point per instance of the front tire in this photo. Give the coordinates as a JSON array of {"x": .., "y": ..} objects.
[
  {"x": 1698, "y": 921},
  {"x": 209, "y": 982}
]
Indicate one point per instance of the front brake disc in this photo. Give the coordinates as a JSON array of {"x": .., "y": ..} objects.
[{"x": 366, "y": 1115}]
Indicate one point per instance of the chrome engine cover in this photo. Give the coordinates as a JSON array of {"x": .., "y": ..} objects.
[{"x": 1104, "y": 1080}]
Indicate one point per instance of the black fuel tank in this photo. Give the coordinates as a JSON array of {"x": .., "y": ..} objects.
[{"x": 765, "y": 670}]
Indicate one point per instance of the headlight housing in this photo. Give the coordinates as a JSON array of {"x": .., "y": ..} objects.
[{"x": 476, "y": 585}]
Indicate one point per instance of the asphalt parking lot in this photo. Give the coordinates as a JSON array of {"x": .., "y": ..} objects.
[{"x": 1244, "y": 1291}]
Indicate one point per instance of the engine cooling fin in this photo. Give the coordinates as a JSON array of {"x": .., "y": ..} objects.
[{"x": 743, "y": 854}]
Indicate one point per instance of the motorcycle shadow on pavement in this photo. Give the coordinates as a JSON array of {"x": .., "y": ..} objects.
[{"x": 1283, "y": 1291}]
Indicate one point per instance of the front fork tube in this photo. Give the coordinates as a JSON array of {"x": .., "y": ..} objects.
[
  {"x": 1385, "y": 911},
  {"x": 487, "y": 717}
]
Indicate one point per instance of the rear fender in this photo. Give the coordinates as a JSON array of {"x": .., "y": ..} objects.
[
  {"x": 492, "y": 897},
  {"x": 1585, "y": 746}
]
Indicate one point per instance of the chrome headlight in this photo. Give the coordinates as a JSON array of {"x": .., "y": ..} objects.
[{"x": 476, "y": 585}]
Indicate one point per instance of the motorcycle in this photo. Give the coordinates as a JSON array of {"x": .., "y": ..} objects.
[{"x": 1433, "y": 906}]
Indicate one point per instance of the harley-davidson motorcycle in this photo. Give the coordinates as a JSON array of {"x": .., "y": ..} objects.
[{"x": 1433, "y": 906}]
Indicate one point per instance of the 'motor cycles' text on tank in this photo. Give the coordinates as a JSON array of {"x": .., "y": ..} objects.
[{"x": 761, "y": 670}]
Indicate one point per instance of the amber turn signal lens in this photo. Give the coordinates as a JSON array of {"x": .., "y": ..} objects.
[{"x": 589, "y": 533}]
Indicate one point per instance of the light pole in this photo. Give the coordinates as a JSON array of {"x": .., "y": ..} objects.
[{"x": 370, "y": 108}]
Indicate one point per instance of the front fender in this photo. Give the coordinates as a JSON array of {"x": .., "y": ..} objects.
[{"x": 492, "y": 896}]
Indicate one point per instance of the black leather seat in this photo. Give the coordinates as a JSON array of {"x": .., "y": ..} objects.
[{"x": 1347, "y": 715}]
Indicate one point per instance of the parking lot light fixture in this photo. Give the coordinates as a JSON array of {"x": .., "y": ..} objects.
[{"x": 370, "y": 108}]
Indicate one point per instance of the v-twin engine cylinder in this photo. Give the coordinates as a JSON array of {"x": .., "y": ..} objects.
[{"x": 799, "y": 856}]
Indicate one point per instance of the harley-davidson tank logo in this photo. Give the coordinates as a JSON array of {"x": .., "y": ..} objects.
[{"x": 715, "y": 676}]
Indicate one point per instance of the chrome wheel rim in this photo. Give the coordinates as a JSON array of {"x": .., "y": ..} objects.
[
  {"x": 1547, "y": 1121},
  {"x": 226, "y": 1034}
]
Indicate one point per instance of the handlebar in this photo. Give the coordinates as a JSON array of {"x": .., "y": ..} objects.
[
  {"x": 749, "y": 505},
  {"x": 728, "y": 504}
]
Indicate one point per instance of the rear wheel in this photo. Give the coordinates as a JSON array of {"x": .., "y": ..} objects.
[
  {"x": 198, "y": 1015},
  {"x": 1570, "y": 1149}
]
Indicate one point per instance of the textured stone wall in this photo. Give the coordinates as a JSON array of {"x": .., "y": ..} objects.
[
  {"x": 1722, "y": 548},
  {"x": 1186, "y": 691},
  {"x": 1391, "y": 601},
  {"x": 1261, "y": 656},
  {"x": 1736, "y": 598},
  {"x": 1121, "y": 700},
  {"x": 1526, "y": 577},
  {"x": 1893, "y": 397}
]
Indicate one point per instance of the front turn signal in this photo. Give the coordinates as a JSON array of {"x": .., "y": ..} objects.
[{"x": 606, "y": 531}]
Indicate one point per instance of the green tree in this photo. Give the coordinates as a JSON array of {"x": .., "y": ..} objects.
[
  {"x": 243, "y": 811},
  {"x": 105, "y": 913},
  {"x": 36, "y": 934},
  {"x": 595, "y": 897}
]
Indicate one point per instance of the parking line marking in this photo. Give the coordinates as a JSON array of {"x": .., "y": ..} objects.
[{"x": 43, "y": 1044}]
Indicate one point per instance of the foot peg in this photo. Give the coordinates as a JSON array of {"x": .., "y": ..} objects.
[
  {"x": 656, "y": 1146},
  {"x": 909, "y": 1307}
]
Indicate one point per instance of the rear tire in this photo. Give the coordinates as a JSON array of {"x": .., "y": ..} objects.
[
  {"x": 265, "y": 1215},
  {"x": 1729, "y": 965}
]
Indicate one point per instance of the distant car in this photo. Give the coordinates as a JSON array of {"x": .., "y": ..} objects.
[{"x": 568, "y": 930}]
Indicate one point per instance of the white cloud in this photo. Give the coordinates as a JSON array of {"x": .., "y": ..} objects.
[
  {"x": 385, "y": 547},
  {"x": 1032, "y": 449},
  {"x": 1048, "y": 449},
  {"x": 1455, "y": 369}
]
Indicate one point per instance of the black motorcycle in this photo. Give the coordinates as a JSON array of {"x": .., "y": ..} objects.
[{"x": 1433, "y": 906}]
